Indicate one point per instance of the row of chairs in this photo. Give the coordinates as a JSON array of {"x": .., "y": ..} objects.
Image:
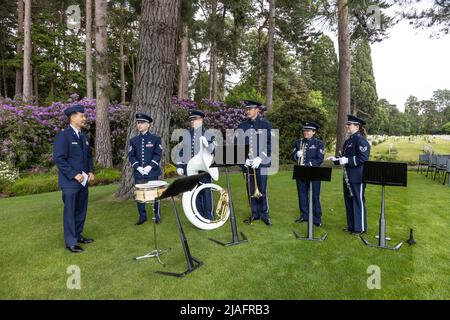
[{"x": 435, "y": 165}]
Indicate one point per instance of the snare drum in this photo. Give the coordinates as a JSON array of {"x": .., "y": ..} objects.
[{"x": 148, "y": 192}]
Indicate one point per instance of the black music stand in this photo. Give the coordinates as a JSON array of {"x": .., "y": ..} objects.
[
  {"x": 384, "y": 174},
  {"x": 311, "y": 174},
  {"x": 182, "y": 185},
  {"x": 228, "y": 156}
]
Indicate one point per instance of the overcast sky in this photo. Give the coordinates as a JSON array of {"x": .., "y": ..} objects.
[{"x": 410, "y": 63}]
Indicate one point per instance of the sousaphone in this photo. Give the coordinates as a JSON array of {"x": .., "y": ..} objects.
[{"x": 201, "y": 162}]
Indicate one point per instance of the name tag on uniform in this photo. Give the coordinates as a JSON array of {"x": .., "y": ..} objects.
[
  {"x": 149, "y": 145},
  {"x": 74, "y": 142},
  {"x": 312, "y": 147}
]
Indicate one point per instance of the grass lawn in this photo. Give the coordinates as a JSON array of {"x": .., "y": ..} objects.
[
  {"x": 273, "y": 265},
  {"x": 409, "y": 151}
]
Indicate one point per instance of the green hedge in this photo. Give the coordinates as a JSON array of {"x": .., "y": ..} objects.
[{"x": 48, "y": 182}]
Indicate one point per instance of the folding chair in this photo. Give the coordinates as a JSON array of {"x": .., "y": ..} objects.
[
  {"x": 441, "y": 164},
  {"x": 447, "y": 173},
  {"x": 431, "y": 164},
  {"x": 424, "y": 160}
]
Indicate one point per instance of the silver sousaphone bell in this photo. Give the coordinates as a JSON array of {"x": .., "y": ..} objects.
[{"x": 201, "y": 162}]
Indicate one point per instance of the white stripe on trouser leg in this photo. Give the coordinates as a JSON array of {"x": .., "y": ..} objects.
[{"x": 362, "y": 207}]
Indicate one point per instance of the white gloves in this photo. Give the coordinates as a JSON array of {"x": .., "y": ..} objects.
[
  {"x": 141, "y": 170},
  {"x": 299, "y": 154},
  {"x": 256, "y": 162},
  {"x": 343, "y": 160},
  {"x": 333, "y": 159},
  {"x": 180, "y": 171},
  {"x": 204, "y": 141},
  {"x": 248, "y": 163},
  {"x": 147, "y": 169}
]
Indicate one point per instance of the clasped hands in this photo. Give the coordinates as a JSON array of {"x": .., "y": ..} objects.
[
  {"x": 79, "y": 177},
  {"x": 144, "y": 171}
]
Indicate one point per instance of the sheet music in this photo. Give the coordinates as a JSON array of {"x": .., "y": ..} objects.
[{"x": 85, "y": 178}]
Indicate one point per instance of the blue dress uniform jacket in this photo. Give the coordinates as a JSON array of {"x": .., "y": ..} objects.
[
  {"x": 357, "y": 150},
  {"x": 72, "y": 156},
  {"x": 146, "y": 150},
  {"x": 191, "y": 144},
  {"x": 260, "y": 141},
  {"x": 258, "y": 135},
  {"x": 314, "y": 155}
]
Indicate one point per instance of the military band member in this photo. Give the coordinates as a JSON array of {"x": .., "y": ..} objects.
[
  {"x": 312, "y": 155},
  {"x": 204, "y": 201},
  {"x": 356, "y": 151},
  {"x": 257, "y": 132},
  {"x": 73, "y": 158},
  {"x": 145, "y": 154}
]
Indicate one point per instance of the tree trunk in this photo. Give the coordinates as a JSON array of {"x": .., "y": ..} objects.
[
  {"x": 35, "y": 80},
  {"x": 27, "y": 78},
  {"x": 122, "y": 56},
  {"x": 5, "y": 84},
  {"x": 270, "y": 53},
  {"x": 89, "y": 80},
  {"x": 19, "y": 47},
  {"x": 103, "y": 149},
  {"x": 344, "y": 73},
  {"x": 155, "y": 76},
  {"x": 183, "y": 76},
  {"x": 213, "y": 57}
]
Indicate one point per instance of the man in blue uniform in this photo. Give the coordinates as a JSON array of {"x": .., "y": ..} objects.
[
  {"x": 257, "y": 134},
  {"x": 72, "y": 155},
  {"x": 191, "y": 144},
  {"x": 309, "y": 151},
  {"x": 356, "y": 151},
  {"x": 144, "y": 154}
]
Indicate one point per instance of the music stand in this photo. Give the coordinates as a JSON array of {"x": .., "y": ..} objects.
[
  {"x": 311, "y": 174},
  {"x": 228, "y": 156},
  {"x": 384, "y": 174},
  {"x": 182, "y": 185}
]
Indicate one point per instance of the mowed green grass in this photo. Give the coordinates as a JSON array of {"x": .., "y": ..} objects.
[
  {"x": 409, "y": 151},
  {"x": 272, "y": 265}
]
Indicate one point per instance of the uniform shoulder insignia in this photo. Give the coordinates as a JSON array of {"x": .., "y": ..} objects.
[
  {"x": 131, "y": 148},
  {"x": 363, "y": 148}
]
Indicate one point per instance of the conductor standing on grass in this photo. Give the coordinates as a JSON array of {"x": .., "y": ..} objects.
[
  {"x": 72, "y": 155},
  {"x": 356, "y": 151}
]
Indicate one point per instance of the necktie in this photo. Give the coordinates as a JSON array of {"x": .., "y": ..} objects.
[{"x": 80, "y": 140}]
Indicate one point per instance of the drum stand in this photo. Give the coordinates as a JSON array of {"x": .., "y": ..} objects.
[{"x": 156, "y": 252}]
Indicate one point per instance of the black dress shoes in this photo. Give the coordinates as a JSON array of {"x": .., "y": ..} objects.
[
  {"x": 250, "y": 219},
  {"x": 357, "y": 233},
  {"x": 141, "y": 221},
  {"x": 85, "y": 240},
  {"x": 318, "y": 225},
  {"x": 300, "y": 220},
  {"x": 158, "y": 220},
  {"x": 75, "y": 249},
  {"x": 267, "y": 221}
]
